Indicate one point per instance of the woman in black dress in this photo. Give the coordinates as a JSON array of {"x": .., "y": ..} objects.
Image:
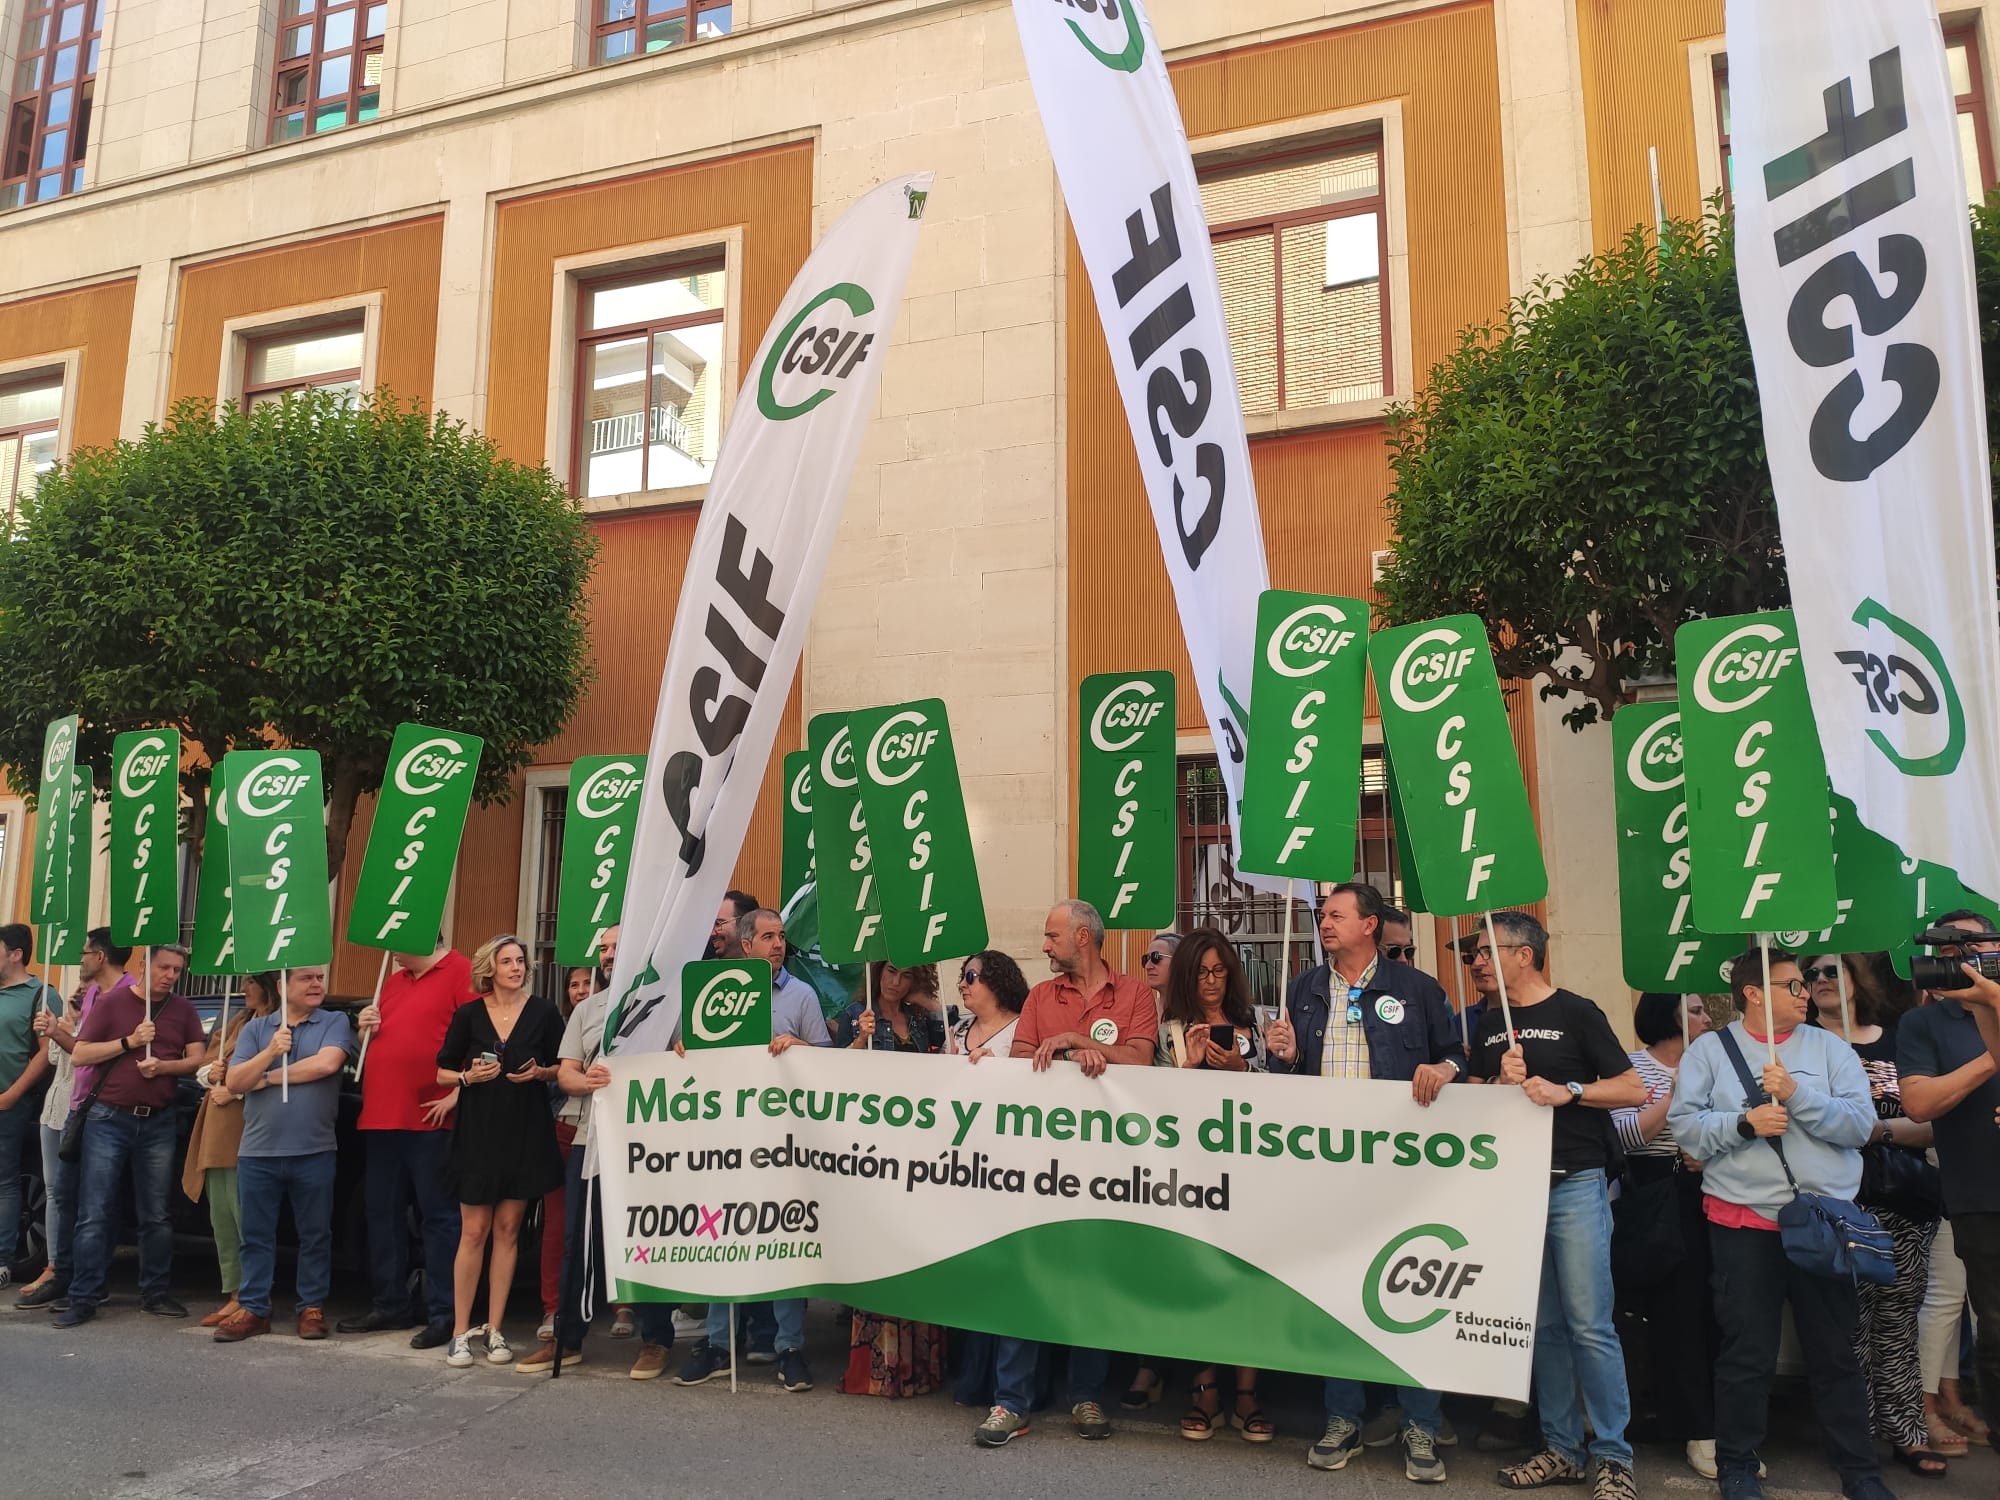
[{"x": 499, "y": 1051}]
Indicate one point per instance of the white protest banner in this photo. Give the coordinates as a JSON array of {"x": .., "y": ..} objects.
[
  {"x": 1121, "y": 154},
  {"x": 752, "y": 577},
  {"x": 1152, "y": 1208},
  {"x": 1854, "y": 254}
]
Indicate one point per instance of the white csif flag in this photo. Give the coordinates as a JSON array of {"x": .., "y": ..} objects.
[
  {"x": 1121, "y": 153},
  {"x": 1854, "y": 253},
  {"x": 753, "y": 574}
]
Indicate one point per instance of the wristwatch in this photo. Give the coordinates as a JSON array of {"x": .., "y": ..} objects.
[
  {"x": 1575, "y": 1091},
  {"x": 1744, "y": 1128}
]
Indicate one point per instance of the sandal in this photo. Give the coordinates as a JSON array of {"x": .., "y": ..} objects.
[
  {"x": 1945, "y": 1440},
  {"x": 1963, "y": 1419},
  {"x": 1922, "y": 1462},
  {"x": 622, "y": 1324},
  {"x": 1198, "y": 1426},
  {"x": 1142, "y": 1393},
  {"x": 1254, "y": 1425}
]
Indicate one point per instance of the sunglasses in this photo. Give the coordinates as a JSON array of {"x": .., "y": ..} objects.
[
  {"x": 1399, "y": 952},
  {"x": 1150, "y": 959},
  {"x": 968, "y": 975},
  {"x": 1824, "y": 971},
  {"x": 1354, "y": 1005},
  {"x": 1483, "y": 951}
]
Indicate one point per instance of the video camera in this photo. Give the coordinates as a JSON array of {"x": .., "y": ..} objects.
[{"x": 1934, "y": 973}]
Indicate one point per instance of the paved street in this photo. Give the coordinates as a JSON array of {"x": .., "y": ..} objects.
[{"x": 142, "y": 1409}]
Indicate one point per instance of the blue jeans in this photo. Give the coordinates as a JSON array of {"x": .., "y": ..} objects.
[
  {"x": 406, "y": 1164},
  {"x": 1579, "y": 1363},
  {"x": 789, "y": 1311},
  {"x": 1014, "y": 1373},
  {"x": 17, "y": 1127},
  {"x": 263, "y": 1182},
  {"x": 1345, "y": 1398},
  {"x": 59, "y": 1187},
  {"x": 115, "y": 1140}
]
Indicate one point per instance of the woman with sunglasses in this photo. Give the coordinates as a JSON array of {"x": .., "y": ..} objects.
[
  {"x": 992, "y": 989},
  {"x": 1886, "y": 1340},
  {"x": 1153, "y": 966},
  {"x": 906, "y": 1016}
]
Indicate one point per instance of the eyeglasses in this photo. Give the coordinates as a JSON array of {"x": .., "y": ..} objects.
[
  {"x": 1797, "y": 987},
  {"x": 1824, "y": 971},
  {"x": 1483, "y": 951},
  {"x": 968, "y": 975},
  {"x": 1211, "y": 971},
  {"x": 1152, "y": 958},
  {"x": 1399, "y": 952}
]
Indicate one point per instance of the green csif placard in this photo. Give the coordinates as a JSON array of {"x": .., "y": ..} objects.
[
  {"x": 413, "y": 840},
  {"x": 1471, "y": 831},
  {"x": 597, "y": 852},
  {"x": 277, "y": 859},
  {"x": 50, "y": 897},
  {"x": 1662, "y": 950},
  {"x": 1406, "y": 862},
  {"x": 796, "y": 866},
  {"x": 1125, "y": 864},
  {"x": 1302, "y": 778},
  {"x": 915, "y": 807},
  {"x": 145, "y": 837},
  {"x": 1760, "y": 843},
  {"x": 62, "y": 942},
  {"x": 213, "y": 948},
  {"x": 850, "y": 908},
  {"x": 725, "y": 1002}
]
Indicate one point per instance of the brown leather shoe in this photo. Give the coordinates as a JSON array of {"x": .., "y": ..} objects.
[
  {"x": 222, "y": 1314},
  {"x": 312, "y": 1323},
  {"x": 243, "y": 1324}
]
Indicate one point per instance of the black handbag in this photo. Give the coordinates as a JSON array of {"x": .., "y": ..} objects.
[
  {"x": 69, "y": 1147},
  {"x": 1647, "y": 1244},
  {"x": 1900, "y": 1180}
]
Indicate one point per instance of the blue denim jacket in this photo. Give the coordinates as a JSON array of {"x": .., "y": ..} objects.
[{"x": 1426, "y": 1033}]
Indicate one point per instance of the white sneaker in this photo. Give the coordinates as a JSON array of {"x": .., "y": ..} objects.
[
  {"x": 497, "y": 1350},
  {"x": 687, "y": 1327},
  {"x": 460, "y": 1355},
  {"x": 1701, "y": 1456}
]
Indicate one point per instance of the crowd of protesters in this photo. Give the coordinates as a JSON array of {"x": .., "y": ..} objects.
[{"x": 1669, "y": 1166}]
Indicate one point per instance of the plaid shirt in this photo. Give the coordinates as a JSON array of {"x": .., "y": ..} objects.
[{"x": 1345, "y": 1054}]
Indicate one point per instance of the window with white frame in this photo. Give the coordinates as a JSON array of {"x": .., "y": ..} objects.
[
  {"x": 322, "y": 358},
  {"x": 30, "y": 421}
]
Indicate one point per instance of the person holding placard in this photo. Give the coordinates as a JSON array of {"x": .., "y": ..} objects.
[
  {"x": 1765, "y": 1136},
  {"x": 24, "y": 1062},
  {"x": 907, "y": 1015},
  {"x": 405, "y": 1128},
  {"x": 213, "y": 1149},
  {"x": 498, "y": 1048},
  {"x": 1362, "y": 1015},
  {"x": 991, "y": 992},
  {"x": 287, "y": 1156},
  {"x": 130, "y": 1127},
  {"x": 1093, "y": 1016},
  {"x": 1563, "y": 1055}
]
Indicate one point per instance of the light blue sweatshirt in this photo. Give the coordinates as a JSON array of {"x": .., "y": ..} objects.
[{"x": 1831, "y": 1116}]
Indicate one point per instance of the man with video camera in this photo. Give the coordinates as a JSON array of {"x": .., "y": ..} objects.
[{"x": 1950, "y": 1079}]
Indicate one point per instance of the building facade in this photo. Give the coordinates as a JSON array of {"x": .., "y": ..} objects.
[{"x": 569, "y": 221}]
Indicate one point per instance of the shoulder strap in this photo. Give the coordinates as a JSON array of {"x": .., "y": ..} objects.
[{"x": 1752, "y": 1089}]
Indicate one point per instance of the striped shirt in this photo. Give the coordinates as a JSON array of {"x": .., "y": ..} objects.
[
  {"x": 1659, "y": 1081},
  {"x": 1345, "y": 1054}
]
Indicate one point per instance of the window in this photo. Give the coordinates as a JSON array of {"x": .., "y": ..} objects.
[
  {"x": 1968, "y": 86},
  {"x": 1301, "y": 242},
  {"x": 314, "y": 359},
  {"x": 615, "y": 28},
  {"x": 30, "y": 413},
  {"x": 1212, "y": 896},
  {"x": 553, "y": 810},
  {"x": 648, "y": 379},
  {"x": 329, "y": 65},
  {"x": 48, "y": 119}
]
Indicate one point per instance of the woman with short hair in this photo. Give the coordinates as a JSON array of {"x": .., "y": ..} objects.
[{"x": 498, "y": 1052}]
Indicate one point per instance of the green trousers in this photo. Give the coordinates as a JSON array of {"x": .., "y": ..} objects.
[{"x": 225, "y": 1216}]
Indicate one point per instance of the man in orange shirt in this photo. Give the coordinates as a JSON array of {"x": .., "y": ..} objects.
[{"x": 1093, "y": 1017}]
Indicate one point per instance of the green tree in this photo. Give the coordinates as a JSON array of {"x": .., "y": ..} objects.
[
  {"x": 308, "y": 574},
  {"x": 1588, "y": 472}
]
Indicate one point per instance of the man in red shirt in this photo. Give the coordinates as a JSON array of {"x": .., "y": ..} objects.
[
  {"x": 1094, "y": 1017},
  {"x": 403, "y": 1117},
  {"x": 131, "y": 1127}
]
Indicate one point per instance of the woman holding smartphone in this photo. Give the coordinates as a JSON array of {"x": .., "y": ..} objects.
[{"x": 500, "y": 1048}]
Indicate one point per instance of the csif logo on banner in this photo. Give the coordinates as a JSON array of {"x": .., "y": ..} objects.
[
  {"x": 1417, "y": 1279},
  {"x": 277, "y": 859},
  {"x": 850, "y": 909},
  {"x": 62, "y": 942},
  {"x": 596, "y": 852},
  {"x": 1762, "y": 851},
  {"x": 52, "y": 842},
  {"x": 1659, "y": 944},
  {"x": 1470, "y": 827},
  {"x": 1109, "y": 31},
  {"x": 796, "y": 860},
  {"x": 1302, "y": 783},
  {"x": 1125, "y": 797},
  {"x": 726, "y": 1003},
  {"x": 413, "y": 841},
  {"x": 915, "y": 811},
  {"x": 1910, "y": 687},
  {"x": 812, "y": 358},
  {"x": 212, "y": 950},
  {"x": 145, "y": 837}
]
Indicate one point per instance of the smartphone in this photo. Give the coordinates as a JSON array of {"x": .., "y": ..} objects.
[
  {"x": 489, "y": 1057},
  {"x": 1223, "y": 1037}
]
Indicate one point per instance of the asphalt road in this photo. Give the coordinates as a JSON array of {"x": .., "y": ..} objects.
[{"x": 138, "y": 1408}]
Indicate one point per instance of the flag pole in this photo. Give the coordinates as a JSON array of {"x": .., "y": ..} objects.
[
  {"x": 1770, "y": 1016},
  {"x": 285, "y": 1019},
  {"x": 1846, "y": 1016},
  {"x": 148, "y": 988},
  {"x": 1285, "y": 953},
  {"x": 381, "y": 978},
  {"x": 1500, "y": 976},
  {"x": 1457, "y": 962}
]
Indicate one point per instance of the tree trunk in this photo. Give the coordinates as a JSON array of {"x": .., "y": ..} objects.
[{"x": 346, "y": 796}]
